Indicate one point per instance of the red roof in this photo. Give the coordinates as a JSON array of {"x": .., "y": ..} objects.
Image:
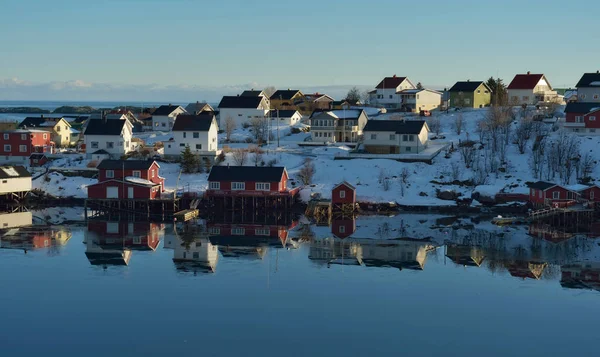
[
  {"x": 525, "y": 81},
  {"x": 390, "y": 82}
]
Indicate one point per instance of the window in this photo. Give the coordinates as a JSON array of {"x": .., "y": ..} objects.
[
  {"x": 595, "y": 96},
  {"x": 525, "y": 97},
  {"x": 198, "y": 146},
  {"x": 196, "y": 255},
  {"x": 591, "y": 195},
  {"x": 479, "y": 91},
  {"x": 263, "y": 186},
  {"x": 23, "y": 136},
  {"x": 214, "y": 185},
  {"x": 58, "y": 128},
  {"x": 540, "y": 193},
  {"x": 110, "y": 144},
  {"x": 582, "y": 96},
  {"x": 515, "y": 98},
  {"x": 164, "y": 125},
  {"x": 391, "y": 96},
  {"x": 196, "y": 135},
  {"x": 592, "y": 118},
  {"x": 45, "y": 136},
  {"x": 214, "y": 230},
  {"x": 238, "y": 231},
  {"x": 6, "y": 136},
  {"x": 127, "y": 144},
  {"x": 262, "y": 232},
  {"x": 238, "y": 185},
  {"x": 137, "y": 173},
  {"x": 110, "y": 173},
  {"x": 169, "y": 146},
  {"x": 120, "y": 143},
  {"x": 22, "y": 148},
  {"x": 4, "y": 181},
  {"x": 467, "y": 100},
  {"x": 555, "y": 195},
  {"x": 579, "y": 119},
  {"x": 182, "y": 145},
  {"x": 342, "y": 194},
  {"x": 6, "y": 148},
  {"x": 184, "y": 135},
  {"x": 408, "y": 148},
  {"x": 373, "y": 136},
  {"x": 592, "y": 130},
  {"x": 94, "y": 144},
  {"x": 392, "y": 136}
]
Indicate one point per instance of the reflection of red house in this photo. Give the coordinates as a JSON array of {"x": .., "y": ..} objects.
[
  {"x": 27, "y": 240},
  {"x": 344, "y": 227},
  {"x": 343, "y": 193},
  {"x": 248, "y": 239},
  {"x": 548, "y": 233},
  {"x": 131, "y": 235},
  {"x": 120, "y": 179},
  {"x": 581, "y": 276}
]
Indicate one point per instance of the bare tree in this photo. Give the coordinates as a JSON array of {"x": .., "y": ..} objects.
[
  {"x": 458, "y": 124},
  {"x": 586, "y": 166},
  {"x": 384, "y": 180},
  {"x": 239, "y": 156},
  {"x": 229, "y": 127},
  {"x": 455, "y": 171},
  {"x": 260, "y": 129},
  {"x": 537, "y": 157},
  {"x": 307, "y": 172},
  {"x": 467, "y": 152},
  {"x": 257, "y": 157},
  {"x": 521, "y": 137},
  {"x": 404, "y": 176},
  {"x": 435, "y": 125},
  {"x": 562, "y": 156},
  {"x": 269, "y": 90},
  {"x": 365, "y": 97}
]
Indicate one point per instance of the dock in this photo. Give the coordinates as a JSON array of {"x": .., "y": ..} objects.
[{"x": 186, "y": 215}]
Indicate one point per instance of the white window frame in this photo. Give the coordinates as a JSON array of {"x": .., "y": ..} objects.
[
  {"x": 373, "y": 136},
  {"x": 263, "y": 186},
  {"x": 214, "y": 230},
  {"x": 592, "y": 118},
  {"x": 342, "y": 194},
  {"x": 7, "y": 148},
  {"x": 22, "y": 148},
  {"x": 238, "y": 186},
  {"x": 45, "y": 136},
  {"x": 556, "y": 195},
  {"x": 110, "y": 173},
  {"x": 237, "y": 231},
  {"x": 6, "y": 136},
  {"x": 342, "y": 229},
  {"x": 262, "y": 232},
  {"x": 214, "y": 185},
  {"x": 137, "y": 173},
  {"x": 94, "y": 144},
  {"x": 23, "y": 136}
]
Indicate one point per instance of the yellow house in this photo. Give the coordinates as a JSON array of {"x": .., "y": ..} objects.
[
  {"x": 286, "y": 99},
  {"x": 59, "y": 128}
]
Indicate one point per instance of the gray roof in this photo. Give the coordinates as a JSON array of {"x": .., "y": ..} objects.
[
  {"x": 587, "y": 79},
  {"x": 541, "y": 185},
  {"x": 165, "y": 109},
  {"x": 581, "y": 107},
  {"x": 396, "y": 126},
  {"x": 104, "y": 127},
  {"x": 251, "y": 93},
  {"x": 467, "y": 86},
  {"x": 200, "y": 122},
  {"x": 246, "y": 173},
  {"x": 240, "y": 102},
  {"x": 125, "y": 164},
  {"x": 195, "y": 108},
  {"x": 282, "y": 113},
  {"x": 7, "y": 172}
]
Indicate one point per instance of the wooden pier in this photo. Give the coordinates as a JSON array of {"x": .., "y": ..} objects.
[{"x": 161, "y": 209}]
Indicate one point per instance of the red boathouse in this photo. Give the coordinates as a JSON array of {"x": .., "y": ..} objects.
[{"x": 127, "y": 179}]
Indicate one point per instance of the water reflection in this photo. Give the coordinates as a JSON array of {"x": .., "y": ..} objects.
[
  {"x": 192, "y": 250},
  {"x": 112, "y": 242},
  {"x": 17, "y": 232}
]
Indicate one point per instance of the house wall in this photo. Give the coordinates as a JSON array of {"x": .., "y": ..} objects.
[
  {"x": 241, "y": 115},
  {"x": 18, "y": 184},
  {"x": 288, "y": 120},
  {"x": 17, "y": 219},
  {"x": 426, "y": 100},
  {"x": 350, "y": 196},
  {"x": 37, "y": 141},
  {"x": 462, "y": 99},
  {"x": 276, "y": 103},
  {"x": 591, "y": 194},
  {"x": 482, "y": 97},
  {"x": 121, "y": 144},
  {"x": 521, "y": 96},
  {"x": 383, "y": 144},
  {"x": 165, "y": 122},
  {"x": 589, "y": 95},
  {"x": 61, "y": 133},
  {"x": 200, "y": 250},
  {"x": 343, "y": 228},
  {"x": 208, "y": 141},
  {"x": 139, "y": 192}
]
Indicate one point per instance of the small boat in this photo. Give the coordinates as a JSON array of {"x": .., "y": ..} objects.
[{"x": 502, "y": 221}]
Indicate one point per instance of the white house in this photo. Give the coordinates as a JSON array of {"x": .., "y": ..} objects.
[
  {"x": 287, "y": 117},
  {"x": 530, "y": 89},
  {"x": 14, "y": 181},
  {"x": 198, "y": 107},
  {"x": 588, "y": 88},
  {"x": 242, "y": 109},
  {"x": 14, "y": 220},
  {"x": 395, "y": 136},
  {"x": 112, "y": 136},
  {"x": 199, "y": 132},
  {"x": 337, "y": 125},
  {"x": 387, "y": 91},
  {"x": 415, "y": 100},
  {"x": 164, "y": 117}
]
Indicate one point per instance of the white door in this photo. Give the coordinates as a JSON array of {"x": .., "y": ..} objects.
[
  {"x": 112, "y": 192},
  {"x": 130, "y": 192}
]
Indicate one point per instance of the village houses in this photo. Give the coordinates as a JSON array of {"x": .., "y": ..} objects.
[
  {"x": 17, "y": 146},
  {"x": 314, "y": 101},
  {"x": 583, "y": 116},
  {"x": 287, "y": 117},
  {"x": 395, "y": 136},
  {"x": 588, "y": 88},
  {"x": 199, "y": 132},
  {"x": 59, "y": 128},
  {"x": 163, "y": 118},
  {"x": 418, "y": 100},
  {"x": 530, "y": 89},
  {"x": 287, "y": 99},
  {"x": 127, "y": 179},
  {"x": 113, "y": 137},
  {"x": 387, "y": 92},
  {"x": 470, "y": 94},
  {"x": 338, "y": 125},
  {"x": 242, "y": 109}
]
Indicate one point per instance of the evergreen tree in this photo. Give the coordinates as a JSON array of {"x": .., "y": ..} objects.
[
  {"x": 499, "y": 93},
  {"x": 189, "y": 161},
  {"x": 419, "y": 85}
]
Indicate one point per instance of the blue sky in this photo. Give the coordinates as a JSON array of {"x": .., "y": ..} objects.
[{"x": 235, "y": 43}]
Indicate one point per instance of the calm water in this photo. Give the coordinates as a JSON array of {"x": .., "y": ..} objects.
[{"x": 405, "y": 285}]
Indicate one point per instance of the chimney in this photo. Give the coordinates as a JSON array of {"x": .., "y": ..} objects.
[
  {"x": 394, "y": 76},
  {"x": 597, "y": 71},
  {"x": 528, "y": 72},
  {"x": 468, "y": 80},
  {"x": 42, "y": 116},
  {"x": 227, "y": 165}
]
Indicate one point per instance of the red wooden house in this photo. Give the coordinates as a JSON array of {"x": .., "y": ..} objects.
[
  {"x": 543, "y": 193},
  {"x": 37, "y": 159},
  {"x": 18, "y": 145},
  {"x": 582, "y": 117},
  {"x": 589, "y": 193},
  {"x": 343, "y": 227},
  {"x": 127, "y": 179},
  {"x": 253, "y": 181},
  {"x": 343, "y": 193}
]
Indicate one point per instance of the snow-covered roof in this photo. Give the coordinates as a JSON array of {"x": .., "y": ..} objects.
[
  {"x": 139, "y": 181},
  {"x": 577, "y": 187},
  {"x": 595, "y": 83},
  {"x": 74, "y": 131}
]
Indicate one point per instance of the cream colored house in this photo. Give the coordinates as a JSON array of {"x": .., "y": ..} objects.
[
  {"x": 338, "y": 125},
  {"x": 387, "y": 92},
  {"x": 415, "y": 100},
  {"x": 530, "y": 89},
  {"x": 395, "y": 136},
  {"x": 59, "y": 128}
]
